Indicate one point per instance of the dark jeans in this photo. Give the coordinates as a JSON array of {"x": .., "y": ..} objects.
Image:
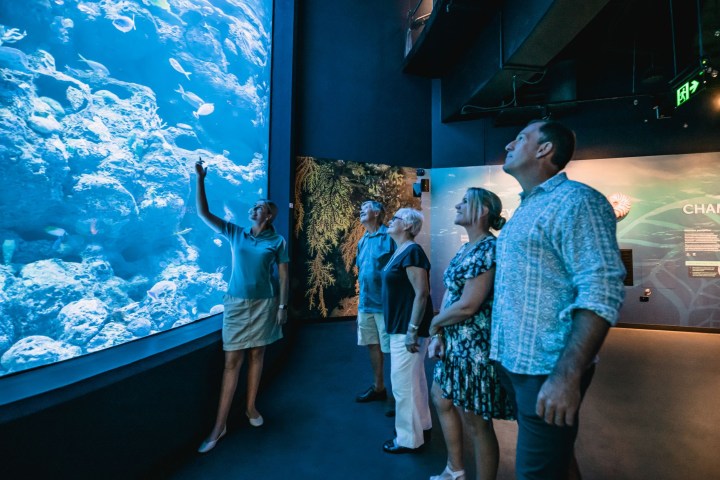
[{"x": 544, "y": 451}]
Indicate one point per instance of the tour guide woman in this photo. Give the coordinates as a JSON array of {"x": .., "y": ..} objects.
[
  {"x": 408, "y": 310},
  {"x": 253, "y": 318}
]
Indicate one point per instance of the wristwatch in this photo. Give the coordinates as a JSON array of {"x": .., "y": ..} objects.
[{"x": 282, "y": 306}]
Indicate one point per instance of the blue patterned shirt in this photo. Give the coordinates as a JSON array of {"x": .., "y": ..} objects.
[
  {"x": 374, "y": 251},
  {"x": 557, "y": 254}
]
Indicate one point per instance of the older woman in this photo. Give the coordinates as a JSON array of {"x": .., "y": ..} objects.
[
  {"x": 253, "y": 316},
  {"x": 407, "y": 310},
  {"x": 466, "y": 391}
]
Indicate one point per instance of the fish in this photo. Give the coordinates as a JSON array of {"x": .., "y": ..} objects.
[
  {"x": 96, "y": 67},
  {"x": 184, "y": 126},
  {"x": 12, "y": 35},
  {"x": 204, "y": 109},
  {"x": 178, "y": 68},
  {"x": 190, "y": 97},
  {"x": 56, "y": 231},
  {"x": 218, "y": 242},
  {"x": 89, "y": 9},
  {"x": 93, "y": 227},
  {"x": 184, "y": 231},
  {"x": 124, "y": 24},
  {"x": 162, "y": 289},
  {"x": 210, "y": 29},
  {"x": 225, "y": 153}
]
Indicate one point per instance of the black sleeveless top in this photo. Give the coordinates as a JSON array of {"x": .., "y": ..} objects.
[{"x": 398, "y": 294}]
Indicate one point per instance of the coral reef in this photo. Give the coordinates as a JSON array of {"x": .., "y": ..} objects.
[
  {"x": 98, "y": 148},
  {"x": 328, "y": 194}
]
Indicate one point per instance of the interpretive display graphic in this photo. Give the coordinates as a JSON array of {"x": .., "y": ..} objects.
[
  {"x": 702, "y": 250},
  {"x": 328, "y": 195},
  {"x": 668, "y": 209},
  {"x": 105, "y": 106}
]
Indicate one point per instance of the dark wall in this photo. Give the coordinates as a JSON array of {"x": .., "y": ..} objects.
[
  {"x": 604, "y": 129},
  {"x": 140, "y": 420},
  {"x": 353, "y": 101},
  {"x": 130, "y": 425},
  {"x": 281, "y": 113}
]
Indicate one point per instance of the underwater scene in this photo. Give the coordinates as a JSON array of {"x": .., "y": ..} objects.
[{"x": 105, "y": 106}]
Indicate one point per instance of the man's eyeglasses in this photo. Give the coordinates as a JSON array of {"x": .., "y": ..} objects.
[{"x": 395, "y": 218}]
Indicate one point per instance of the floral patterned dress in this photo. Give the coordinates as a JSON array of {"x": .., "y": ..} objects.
[{"x": 465, "y": 375}]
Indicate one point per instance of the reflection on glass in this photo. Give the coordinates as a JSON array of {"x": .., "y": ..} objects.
[{"x": 104, "y": 109}]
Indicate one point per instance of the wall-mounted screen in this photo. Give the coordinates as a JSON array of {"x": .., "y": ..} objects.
[{"x": 105, "y": 106}]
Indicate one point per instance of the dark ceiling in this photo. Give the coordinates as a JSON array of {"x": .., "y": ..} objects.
[
  {"x": 562, "y": 53},
  {"x": 640, "y": 46}
]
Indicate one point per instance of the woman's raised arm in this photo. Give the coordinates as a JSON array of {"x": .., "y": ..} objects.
[{"x": 201, "y": 202}]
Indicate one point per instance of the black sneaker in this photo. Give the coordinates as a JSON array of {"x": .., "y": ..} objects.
[{"x": 370, "y": 395}]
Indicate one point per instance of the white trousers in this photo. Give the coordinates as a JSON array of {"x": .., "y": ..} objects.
[{"x": 409, "y": 386}]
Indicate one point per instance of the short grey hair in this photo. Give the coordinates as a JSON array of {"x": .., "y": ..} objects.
[
  {"x": 376, "y": 207},
  {"x": 411, "y": 218}
]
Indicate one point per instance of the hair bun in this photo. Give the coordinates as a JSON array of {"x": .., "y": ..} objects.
[{"x": 498, "y": 223}]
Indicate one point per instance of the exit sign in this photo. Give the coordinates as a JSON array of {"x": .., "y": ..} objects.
[{"x": 691, "y": 85}]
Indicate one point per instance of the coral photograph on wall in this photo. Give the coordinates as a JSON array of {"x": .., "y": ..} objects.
[{"x": 328, "y": 195}]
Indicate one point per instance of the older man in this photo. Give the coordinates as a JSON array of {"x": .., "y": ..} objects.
[
  {"x": 558, "y": 289},
  {"x": 374, "y": 250}
]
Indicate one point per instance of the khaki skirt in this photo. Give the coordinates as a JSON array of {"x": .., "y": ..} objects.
[{"x": 249, "y": 322}]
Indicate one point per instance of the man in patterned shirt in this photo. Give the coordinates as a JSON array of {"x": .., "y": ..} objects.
[{"x": 558, "y": 289}]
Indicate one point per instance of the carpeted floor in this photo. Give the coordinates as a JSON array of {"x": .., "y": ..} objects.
[{"x": 652, "y": 412}]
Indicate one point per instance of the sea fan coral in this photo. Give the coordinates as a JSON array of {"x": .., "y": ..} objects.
[{"x": 621, "y": 205}]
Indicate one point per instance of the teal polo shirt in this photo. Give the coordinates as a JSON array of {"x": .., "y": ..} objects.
[{"x": 254, "y": 260}]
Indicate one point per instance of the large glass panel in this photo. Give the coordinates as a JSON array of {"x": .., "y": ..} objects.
[{"x": 105, "y": 106}]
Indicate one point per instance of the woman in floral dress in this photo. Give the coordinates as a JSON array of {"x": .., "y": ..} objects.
[{"x": 466, "y": 391}]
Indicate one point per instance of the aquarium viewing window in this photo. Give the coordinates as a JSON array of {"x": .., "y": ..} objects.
[{"x": 105, "y": 106}]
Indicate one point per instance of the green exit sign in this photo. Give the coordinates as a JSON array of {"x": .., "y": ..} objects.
[{"x": 691, "y": 86}]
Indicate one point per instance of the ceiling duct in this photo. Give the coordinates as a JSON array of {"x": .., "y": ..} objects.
[{"x": 513, "y": 50}]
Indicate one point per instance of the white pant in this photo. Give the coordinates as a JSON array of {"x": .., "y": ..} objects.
[{"x": 409, "y": 386}]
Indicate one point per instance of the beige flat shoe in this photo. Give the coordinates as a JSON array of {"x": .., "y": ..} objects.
[
  {"x": 208, "y": 445},
  {"x": 257, "y": 421}
]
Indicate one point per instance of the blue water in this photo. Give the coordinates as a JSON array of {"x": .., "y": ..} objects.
[{"x": 104, "y": 109}]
